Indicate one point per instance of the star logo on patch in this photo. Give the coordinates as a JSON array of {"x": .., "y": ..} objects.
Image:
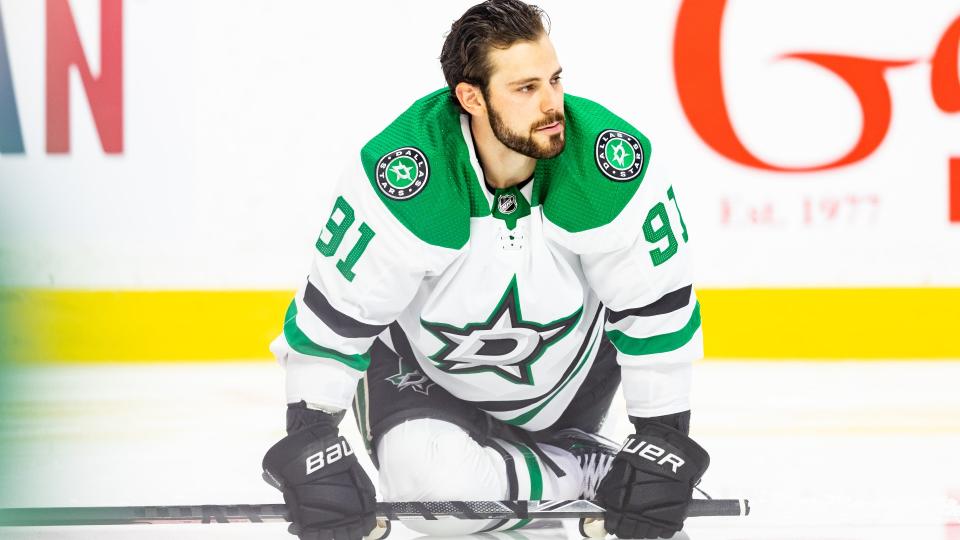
[
  {"x": 619, "y": 153},
  {"x": 505, "y": 344},
  {"x": 402, "y": 172}
]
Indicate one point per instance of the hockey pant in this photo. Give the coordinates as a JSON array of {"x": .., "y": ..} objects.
[
  {"x": 434, "y": 460},
  {"x": 430, "y": 446}
]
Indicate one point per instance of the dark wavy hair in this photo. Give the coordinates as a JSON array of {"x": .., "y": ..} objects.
[{"x": 491, "y": 24}]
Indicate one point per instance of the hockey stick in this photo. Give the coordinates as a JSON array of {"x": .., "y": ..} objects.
[{"x": 247, "y": 513}]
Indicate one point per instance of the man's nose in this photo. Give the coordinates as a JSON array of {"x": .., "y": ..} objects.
[{"x": 551, "y": 99}]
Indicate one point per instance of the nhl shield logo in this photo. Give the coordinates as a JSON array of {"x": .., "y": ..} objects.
[
  {"x": 403, "y": 173},
  {"x": 619, "y": 155},
  {"x": 507, "y": 204}
]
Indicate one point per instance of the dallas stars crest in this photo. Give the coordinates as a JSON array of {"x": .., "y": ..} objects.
[
  {"x": 619, "y": 155},
  {"x": 505, "y": 344},
  {"x": 403, "y": 173}
]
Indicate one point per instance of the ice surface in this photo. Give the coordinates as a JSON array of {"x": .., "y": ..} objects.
[{"x": 824, "y": 450}]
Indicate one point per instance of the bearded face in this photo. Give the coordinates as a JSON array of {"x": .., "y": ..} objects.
[
  {"x": 543, "y": 139},
  {"x": 524, "y": 98}
]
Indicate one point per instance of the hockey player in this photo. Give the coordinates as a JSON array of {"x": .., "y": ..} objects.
[{"x": 496, "y": 262}]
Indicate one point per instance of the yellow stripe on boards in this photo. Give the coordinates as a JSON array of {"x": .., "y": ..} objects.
[
  {"x": 844, "y": 324},
  {"x": 138, "y": 326},
  {"x": 45, "y": 325}
]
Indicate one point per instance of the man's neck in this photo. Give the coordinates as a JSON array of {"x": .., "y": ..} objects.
[{"x": 502, "y": 166}]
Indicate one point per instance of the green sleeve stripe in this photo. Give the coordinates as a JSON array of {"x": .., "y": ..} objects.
[
  {"x": 299, "y": 342},
  {"x": 656, "y": 344}
]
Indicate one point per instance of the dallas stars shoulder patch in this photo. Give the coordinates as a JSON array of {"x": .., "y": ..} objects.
[
  {"x": 403, "y": 173},
  {"x": 619, "y": 155},
  {"x": 505, "y": 344}
]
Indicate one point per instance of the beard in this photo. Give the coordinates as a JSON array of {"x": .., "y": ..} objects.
[{"x": 525, "y": 144}]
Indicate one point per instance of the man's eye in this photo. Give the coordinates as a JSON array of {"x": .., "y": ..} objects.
[
  {"x": 526, "y": 88},
  {"x": 555, "y": 80}
]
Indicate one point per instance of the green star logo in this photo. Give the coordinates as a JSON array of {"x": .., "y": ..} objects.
[
  {"x": 403, "y": 173},
  {"x": 505, "y": 344},
  {"x": 619, "y": 155}
]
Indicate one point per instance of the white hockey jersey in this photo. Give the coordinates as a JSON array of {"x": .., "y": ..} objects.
[{"x": 504, "y": 296}]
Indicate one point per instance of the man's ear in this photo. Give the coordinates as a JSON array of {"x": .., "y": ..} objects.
[{"x": 470, "y": 97}]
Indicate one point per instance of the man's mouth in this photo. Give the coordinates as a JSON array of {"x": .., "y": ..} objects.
[{"x": 552, "y": 127}]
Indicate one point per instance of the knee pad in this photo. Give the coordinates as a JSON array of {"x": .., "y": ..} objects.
[{"x": 434, "y": 460}]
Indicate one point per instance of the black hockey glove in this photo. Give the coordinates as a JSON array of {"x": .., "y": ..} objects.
[
  {"x": 648, "y": 489},
  {"x": 328, "y": 494}
]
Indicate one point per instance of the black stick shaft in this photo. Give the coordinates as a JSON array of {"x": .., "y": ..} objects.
[{"x": 259, "y": 513}]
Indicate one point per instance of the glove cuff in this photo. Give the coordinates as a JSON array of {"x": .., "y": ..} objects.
[
  {"x": 300, "y": 417},
  {"x": 679, "y": 421}
]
